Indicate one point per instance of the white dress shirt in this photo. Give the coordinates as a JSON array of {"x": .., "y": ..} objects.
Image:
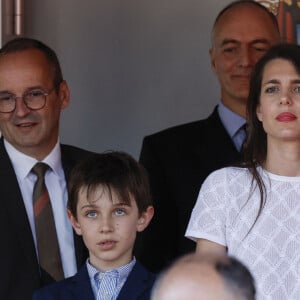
[
  {"x": 111, "y": 287},
  {"x": 56, "y": 185}
]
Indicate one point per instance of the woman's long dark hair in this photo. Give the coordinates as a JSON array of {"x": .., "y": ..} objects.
[{"x": 255, "y": 148}]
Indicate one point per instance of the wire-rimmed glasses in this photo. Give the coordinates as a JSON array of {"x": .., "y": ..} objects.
[{"x": 34, "y": 100}]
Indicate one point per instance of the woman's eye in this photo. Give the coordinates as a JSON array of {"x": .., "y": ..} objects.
[
  {"x": 296, "y": 89},
  {"x": 91, "y": 214},
  {"x": 271, "y": 89}
]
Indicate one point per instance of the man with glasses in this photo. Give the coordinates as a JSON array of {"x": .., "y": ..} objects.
[
  {"x": 32, "y": 96},
  {"x": 33, "y": 100}
]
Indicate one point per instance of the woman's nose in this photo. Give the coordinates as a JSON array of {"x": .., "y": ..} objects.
[{"x": 285, "y": 99}]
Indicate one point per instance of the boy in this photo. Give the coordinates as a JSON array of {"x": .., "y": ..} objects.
[{"x": 109, "y": 202}]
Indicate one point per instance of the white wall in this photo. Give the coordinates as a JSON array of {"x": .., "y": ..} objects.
[{"x": 133, "y": 66}]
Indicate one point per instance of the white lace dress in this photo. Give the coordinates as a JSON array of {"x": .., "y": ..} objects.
[{"x": 226, "y": 209}]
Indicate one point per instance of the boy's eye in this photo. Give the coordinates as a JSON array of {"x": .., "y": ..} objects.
[
  {"x": 91, "y": 214},
  {"x": 120, "y": 212}
]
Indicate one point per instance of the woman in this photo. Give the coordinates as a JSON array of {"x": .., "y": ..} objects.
[{"x": 253, "y": 211}]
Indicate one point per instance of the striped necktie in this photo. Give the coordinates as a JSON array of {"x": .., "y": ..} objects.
[{"x": 47, "y": 243}]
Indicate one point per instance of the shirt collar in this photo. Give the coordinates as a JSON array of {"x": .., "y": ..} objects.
[
  {"x": 23, "y": 163},
  {"x": 231, "y": 120},
  {"x": 122, "y": 272}
]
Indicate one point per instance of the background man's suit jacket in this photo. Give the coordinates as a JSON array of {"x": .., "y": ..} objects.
[
  {"x": 137, "y": 286},
  {"x": 18, "y": 260},
  {"x": 178, "y": 160}
]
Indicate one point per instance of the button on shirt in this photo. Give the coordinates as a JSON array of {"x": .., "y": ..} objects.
[
  {"x": 234, "y": 125},
  {"x": 56, "y": 184},
  {"x": 107, "y": 285}
]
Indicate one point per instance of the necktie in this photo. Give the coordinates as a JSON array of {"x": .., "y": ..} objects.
[
  {"x": 240, "y": 137},
  {"x": 47, "y": 243}
]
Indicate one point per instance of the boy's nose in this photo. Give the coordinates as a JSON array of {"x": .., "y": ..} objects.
[{"x": 106, "y": 225}]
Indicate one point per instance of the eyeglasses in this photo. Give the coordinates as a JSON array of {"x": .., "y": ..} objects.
[{"x": 34, "y": 100}]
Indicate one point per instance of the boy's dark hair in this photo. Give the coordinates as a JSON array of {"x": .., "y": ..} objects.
[
  {"x": 116, "y": 171},
  {"x": 22, "y": 44}
]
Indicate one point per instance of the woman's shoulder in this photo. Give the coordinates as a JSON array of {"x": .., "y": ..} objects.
[
  {"x": 228, "y": 180},
  {"x": 229, "y": 173}
]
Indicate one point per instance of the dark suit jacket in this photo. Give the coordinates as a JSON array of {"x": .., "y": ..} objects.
[
  {"x": 137, "y": 287},
  {"x": 20, "y": 274},
  {"x": 178, "y": 160}
]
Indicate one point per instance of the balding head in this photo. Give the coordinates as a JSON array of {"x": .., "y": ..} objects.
[
  {"x": 242, "y": 33},
  {"x": 238, "y": 6},
  {"x": 196, "y": 277}
]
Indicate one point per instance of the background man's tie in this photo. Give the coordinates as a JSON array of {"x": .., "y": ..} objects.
[
  {"x": 47, "y": 243},
  {"x": 241, "y": 137}
]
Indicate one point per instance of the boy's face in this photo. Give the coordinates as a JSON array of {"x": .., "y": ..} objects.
[{"x": 108, "y": 227}]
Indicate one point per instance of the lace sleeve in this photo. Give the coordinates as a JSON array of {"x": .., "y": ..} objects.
[{"x": 208, "y": 218}]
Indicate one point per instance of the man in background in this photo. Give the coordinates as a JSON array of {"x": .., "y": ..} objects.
[
  {"x": 37, "y": 241},
  {"x": 178, "y": 159},
  {"x": 197, "y": 277}
]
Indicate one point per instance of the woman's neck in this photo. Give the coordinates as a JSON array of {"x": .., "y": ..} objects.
[{"x": 283, "y": 158}]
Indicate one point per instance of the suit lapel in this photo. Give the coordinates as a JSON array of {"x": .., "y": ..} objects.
[
  {"x": 68, "y": 164},
  {"x": 80, "y": 287},
  {"x": 138, "y": 282},
  {"x": 67, "y": 161},
  {"x": 216, "y": 143},
  {"x": 15, "y": 209}
]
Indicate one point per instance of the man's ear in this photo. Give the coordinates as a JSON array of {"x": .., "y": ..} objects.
[
  {"x": 74, "y": 222},
  {"x": 64, "y": 94},
  {"x": 145, "y": 219}
]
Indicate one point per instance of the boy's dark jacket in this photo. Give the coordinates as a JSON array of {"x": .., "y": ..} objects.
[{"x": 137, "y": 286}]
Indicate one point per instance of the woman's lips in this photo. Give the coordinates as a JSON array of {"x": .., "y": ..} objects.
[{"x": 286, "y": 117}]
